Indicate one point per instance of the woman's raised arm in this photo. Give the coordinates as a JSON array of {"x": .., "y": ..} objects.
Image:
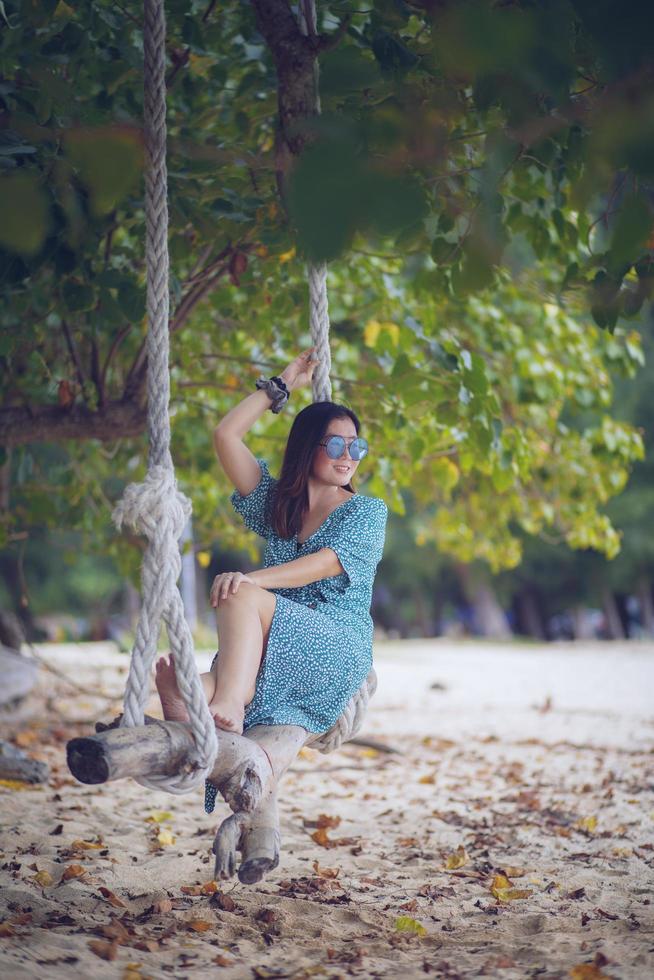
[{"x": 236, "y": 459}]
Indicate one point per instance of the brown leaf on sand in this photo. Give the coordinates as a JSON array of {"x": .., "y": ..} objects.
[
  {"x": 221, "y": 960},
  {"x": 223, "y": 902},
  {"x": 320, "y": 837},
  {"x": 147, "y": 945},
  {"x": 6, "y": 929},
  {"x": 324, "y": 820},
  {"x": 208, "y": 888},
  {"x": 115, "y": 931},
  {"x": 73, "y": 871},
  {"x": 199, "y": 925},
  {"x": 163, "y": 906},
  {"x": 325, "y": 872},
  {"x": 21, "y": 919},
  {"x": 87, "y": 845},
  {"x": 112, "y": 898},
  {"x": 590, "y": 971},
  {"x": 512, "y": 872},
  {"x": 106, "y": 951}
]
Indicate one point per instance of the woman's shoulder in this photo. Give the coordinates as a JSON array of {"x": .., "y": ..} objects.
[{"x": 374, "y": 506}]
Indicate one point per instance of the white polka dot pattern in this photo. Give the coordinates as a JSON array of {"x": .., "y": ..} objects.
[{"x": 320, "y": 643}]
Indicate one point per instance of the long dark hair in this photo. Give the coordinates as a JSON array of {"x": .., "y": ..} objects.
[{"x": 291, "y": 497}]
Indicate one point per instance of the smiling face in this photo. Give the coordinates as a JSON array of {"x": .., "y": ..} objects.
[{"x": 337, "y": 472}]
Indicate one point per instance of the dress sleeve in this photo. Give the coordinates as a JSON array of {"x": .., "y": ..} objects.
[
  {"x": 253, "y": 507},
  {"x": 358, "y": 540}
]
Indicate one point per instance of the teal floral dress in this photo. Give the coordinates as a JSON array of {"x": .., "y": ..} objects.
[{"x": 319, "y": 648}]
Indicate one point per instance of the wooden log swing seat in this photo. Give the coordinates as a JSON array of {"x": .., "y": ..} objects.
[{"x": 176, "y": 757}]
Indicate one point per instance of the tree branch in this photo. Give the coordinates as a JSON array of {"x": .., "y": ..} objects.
[
  {"x": 74, "y": 356},
  {"x": 51, "y": 423}
]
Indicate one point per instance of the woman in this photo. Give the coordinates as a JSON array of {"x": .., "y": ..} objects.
[{"x": 295, "y": 636}]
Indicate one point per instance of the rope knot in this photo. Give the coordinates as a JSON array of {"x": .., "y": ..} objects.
[{"x": 146, "y": 506}]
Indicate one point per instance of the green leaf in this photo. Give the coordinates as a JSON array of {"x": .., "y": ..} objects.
[
  {"x": 25, "y": 212},
  {"x": 109, "y": 161},
  {"x": 77, "y": 296}
]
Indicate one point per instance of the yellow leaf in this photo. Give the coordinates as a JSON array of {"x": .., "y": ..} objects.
[
  {"x": 373, "y": 329},
  {"x": 86, "y": 845},
  {"x": 406, "y": 924},
  {"x": 166, "y": 837},
  {"x": 132, "y": 973},
  {"x": 587, "y": 823},
  {"x": 587, "y": 971},
  {"x": 458, "y": 859},
  {"x": 43, "y": 878},
  {"x": 204, "y": 558},
  {"x": 159, "y": 816},
  {"x": 286, "y": 256},
  {"x": 261, "y": 251},
  {"x": 370, "y": 753},
  {"x": 503, "y": 891},
  {"x": 428, "y": 779},
  {"x": 15, "y": 784}
]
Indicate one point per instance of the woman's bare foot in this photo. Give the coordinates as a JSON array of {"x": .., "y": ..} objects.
[
  {"x": 172, "y": 702},
  {"x": 228, "y": 713}
]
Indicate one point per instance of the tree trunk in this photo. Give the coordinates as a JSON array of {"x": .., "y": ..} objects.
[
  {"x": 531, "y": 621},
  {"x": 478, "y": 590},
  {"x": 612, "y": 614},
  {"x": 646, "y": 604}
]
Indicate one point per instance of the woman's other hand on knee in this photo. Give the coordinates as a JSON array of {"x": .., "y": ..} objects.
[{"x": 226, "y": 584}]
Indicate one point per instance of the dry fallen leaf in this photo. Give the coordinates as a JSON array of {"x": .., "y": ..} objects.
[
  {"x": 512, "y": 872},
  {"x": 159, "y": 816},
  {"x": 406, "y": 924},
  {"x": 132, "y": 972},
  {"x": 6, "y": 929},
  {"x": 588, "y": 971},
  {"x": 73, "y": 871},
  {"x": 106, "y": 951},
  {"x": 428, "y": 780},
  {"x": 320, "y": 837},
  {"x": 587, "y": 823},
  {"x": 199, "y": 925},
  {"x": 165, "y": 837},
  {"x": 221, "y": 960},
  {"x": 458, "y": 859},
  {"x": 15, "y": 784},
  {"x": 43, "y": 878},
  {"x": 162, "y": 907},
  {"x": 112, "y": 899},
  {"x": 325, "y": 872},
  {"x": 87, "y": 845},
  {"x": 208, "y": 888},
  {"x": 503, "y": 890}
]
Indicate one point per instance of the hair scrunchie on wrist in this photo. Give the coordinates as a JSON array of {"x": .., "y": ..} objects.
[{"x": 276, "y": 390}]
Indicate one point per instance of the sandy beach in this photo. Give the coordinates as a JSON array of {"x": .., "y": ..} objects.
[{"x": 510, "y": 834}]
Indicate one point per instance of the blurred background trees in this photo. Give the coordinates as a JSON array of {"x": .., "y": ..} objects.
[{"x": 480, "y": 181}]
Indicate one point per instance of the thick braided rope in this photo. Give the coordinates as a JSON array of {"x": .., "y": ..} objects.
[
  {"x": 317, "y": 274},
  {"x": 155, "y": 507},
  {"x": 349, "y": 723},
  {"x": 351, "y": 720}
]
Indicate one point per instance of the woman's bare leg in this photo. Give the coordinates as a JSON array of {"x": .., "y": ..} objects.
[
  {"x": 244, "y": 620},
  {"x": 241, "y": 642}
]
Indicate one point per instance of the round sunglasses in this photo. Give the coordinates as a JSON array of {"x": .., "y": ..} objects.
[{"x": 335, "y": 447}]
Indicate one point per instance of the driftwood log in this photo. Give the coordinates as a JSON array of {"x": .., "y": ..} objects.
[
  {"x": 246, "y": 773},
  {"x": 19, "y": 677}
]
